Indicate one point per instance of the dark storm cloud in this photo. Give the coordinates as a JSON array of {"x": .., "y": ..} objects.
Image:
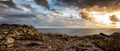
[
  {"x": 93, "y": 5},
  {"x": 9, "y": 3},
  {"x": 90, "y": 3},
  {"x": 18, "y": 15},
  {"x": 49, "y": 18},
  {"x": 43, "y": 3}
]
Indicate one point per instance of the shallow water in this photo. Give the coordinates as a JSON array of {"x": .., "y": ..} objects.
[{"x": 80, "y": 31}]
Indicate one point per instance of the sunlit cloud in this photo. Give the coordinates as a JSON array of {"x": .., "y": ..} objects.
[{"x": 68, "y": 14}]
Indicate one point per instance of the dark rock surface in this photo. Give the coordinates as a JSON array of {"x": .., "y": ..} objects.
[{"x": 16, "y": 37}]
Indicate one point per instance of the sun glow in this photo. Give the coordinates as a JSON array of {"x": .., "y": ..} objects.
[{"x": 106, "y": 18}]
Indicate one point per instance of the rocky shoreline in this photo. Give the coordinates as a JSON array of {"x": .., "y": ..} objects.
[{"x": 14, "y": 37}]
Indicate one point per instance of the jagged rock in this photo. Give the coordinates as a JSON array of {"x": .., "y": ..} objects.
[
  {"x": 5, "y": 32},
  {"x": 115, "y": 35},
  {"x": 102, "y": 34},
  {"x": 1, "y": 37},
  {"x": 10, "y": 40},
  {"x": 17, "y": 36},
  {"x": 10, "y": 45}
]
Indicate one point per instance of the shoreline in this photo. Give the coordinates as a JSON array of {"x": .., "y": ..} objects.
[{"x": 22, "y": 37}]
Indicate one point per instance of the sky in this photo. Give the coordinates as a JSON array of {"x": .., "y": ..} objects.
[{"x": 60, "y": 14}]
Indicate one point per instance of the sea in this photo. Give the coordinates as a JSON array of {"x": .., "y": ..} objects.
[{"x": 80, "y": 31}]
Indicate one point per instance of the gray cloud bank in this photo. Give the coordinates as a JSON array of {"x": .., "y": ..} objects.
[
  {"x": 90, "y": 3},
  {"x": 29, "y": 13}
]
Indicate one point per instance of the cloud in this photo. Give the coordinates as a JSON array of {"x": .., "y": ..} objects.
[
  {"x": 89, "y": 3},
  {"x": 33, "y": 14},
  {"x": 9, "y": 3},
  {"x": 44, "y": 3},
  {"x": 96, "y": 5},
  {"x": 114, "y": 18},
  {"x": 86, "y": 15}
]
